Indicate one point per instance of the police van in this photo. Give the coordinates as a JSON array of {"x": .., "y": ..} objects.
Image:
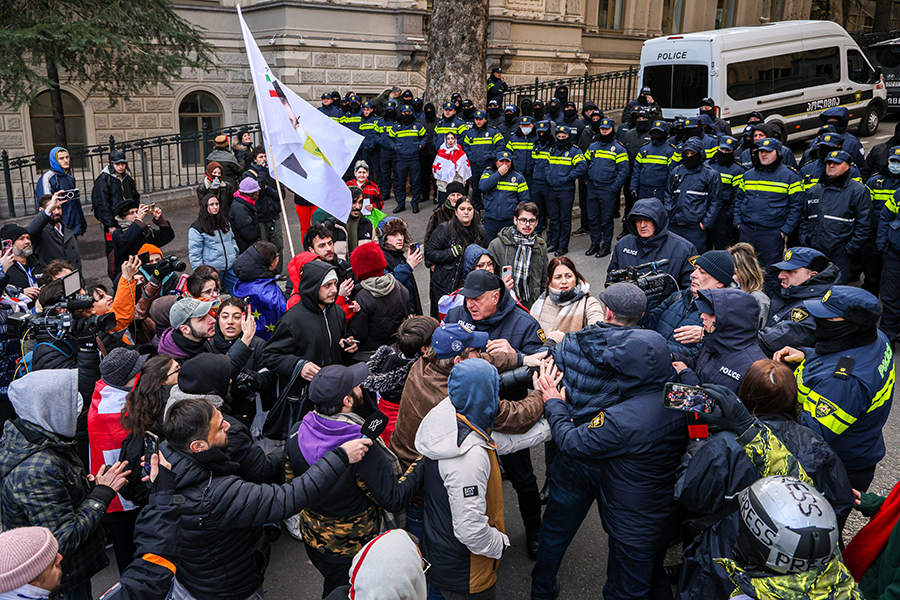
[
  {"x": 789, "y": 71},
  {"x": 886, "y": 56}
]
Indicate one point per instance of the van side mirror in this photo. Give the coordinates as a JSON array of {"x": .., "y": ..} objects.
[{"x": 879, "y": 72}]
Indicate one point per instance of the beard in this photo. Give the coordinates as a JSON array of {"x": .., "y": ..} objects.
[{"x": 23, "y": 252}]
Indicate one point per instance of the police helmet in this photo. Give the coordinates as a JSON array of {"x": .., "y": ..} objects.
[{"x": 786, "y": 526}]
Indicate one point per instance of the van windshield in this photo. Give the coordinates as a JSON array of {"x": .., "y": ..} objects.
[
  {"x": 677, "y": 86},
  {"x": 887, "y": 56}
]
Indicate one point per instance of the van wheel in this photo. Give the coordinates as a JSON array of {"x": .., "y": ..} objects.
[{"x": 868, "y": 125}]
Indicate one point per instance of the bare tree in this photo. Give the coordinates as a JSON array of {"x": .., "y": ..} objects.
[
  {"x": 882, "y": 19},
  {"x": 457, "y": 51}
]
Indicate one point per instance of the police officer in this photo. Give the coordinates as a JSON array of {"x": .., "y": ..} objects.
[
  {"x": 839, "y": 116},
  {"x": 370, "y": 150},
  {"x": 768, "y": 204},
  {"x": 496, "y": 87},
  {"x": 408, "y": 137},
  {"x": 570, "y": 118},
  {"x": 450, "y": 122},
  {"x": 480, "y": 144},
  {"x": 508, "y": 124},
  {"x": 813, "y": 170},
  {"x": 567, "y": 164},
  {"x": 723, "y": 234},
  {"x": 837, "y": 214},
  {"x": 503, "y": 188},
  {"x": 429, "y": 151},
  {"x": 693, "y": 196},
  {"x": 495, "y": 113},
  {"x": 606, "y": 174},
  {"x": 845, "y": 384},
  {"x": 353, "y": 117},
  {"x": 539, "y": 186},
  {"x": 521, "y": 144},
  {"x": 708, "y": 108},
  {"x": 804, "y": 273},
  {"x": 760, "y": 132},
  {"x": 388, "y": 157},
  {"x": 882, "y": 187},
  {"x": 329, "y": 109},
  {"x": 650, "y": 172},
  {"x": 888, "y": 242},
  {"x": 694, "y": 128}
]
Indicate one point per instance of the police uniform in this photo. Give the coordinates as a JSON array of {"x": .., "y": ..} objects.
[
  {"x": 812, "y": 171},
  {"x": 887, "y": 241},
  {"x": 331, "y": 111},
  {"x": 693, "y": 198},
  {"x": 567, "y": 164},
  {"x": 846, "y": 394},
  {"x": 606, "y": 174},
  {"x": 370, "y": 150},
  {"x": 882, "y": 187},
  {"x": 408, "y": 139},
  {"x": 444, "y": 126},
  {"x": 353, "y": 117},
  {"x": 651, "y": 167},
  {"x": 480, "y": 145},
  {"x": 722, "y": 234},
  {"x": 539, "y": 186},
  {"x": 502, "y": 193},
  {"x": 387, "y": 156}
]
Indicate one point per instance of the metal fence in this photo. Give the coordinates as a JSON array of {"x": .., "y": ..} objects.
[
  {"x": 156, "y": 163},
  {"x": 610, "y": 91}
]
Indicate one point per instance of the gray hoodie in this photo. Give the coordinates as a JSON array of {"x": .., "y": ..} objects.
[{"x": 49, "y": 399}]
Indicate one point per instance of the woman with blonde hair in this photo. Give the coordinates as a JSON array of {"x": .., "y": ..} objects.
[{"x": 749, "y": 275}]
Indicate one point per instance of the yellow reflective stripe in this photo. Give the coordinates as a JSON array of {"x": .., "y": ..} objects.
[
  {"x": 577, "y": 158},
  {"x": 767, "y": 186},
  {"x": 621, "y": 157},
  {"x": 837, "y": 420},
  {"x": 562, "y": 160},
  {"x": 710, "y": 152},
  {"x": 498, "y": 138},
  {"x": 883, "y": 195},
  {"x": 892, "y": 204},
  {"x": 603, "y": 154},
  {"x": 408, "y": 133},
  {"x": 367, "y": 126},
  {"x": 351, "y": 119},
  {"x": 523, "y": 187},
  {"x": 795, "y": 187},
  {"x": 520, "y": 145},
  {"x": 655, "y": 159},
  {"x": 885, "y": 393},
  {"x": 727, "y": 178},
  {"x": 479, "y": 141},
  {"x": 810, "y": 183},
  {"x": 510, "y": 187},
  {"x": 486, "y": 174}
]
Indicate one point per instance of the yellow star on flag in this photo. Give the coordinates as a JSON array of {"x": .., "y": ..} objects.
[
  {"x": 256, "y": 314},
  {"x": 270, "y": 327}
]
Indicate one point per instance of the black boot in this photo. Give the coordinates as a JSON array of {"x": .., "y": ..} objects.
[
  {"x": 545, "y": 492},
  {"x": 532, "y": 538},
  {"x": 592, "y": 250},
  {"x": 604, "y": 251}
]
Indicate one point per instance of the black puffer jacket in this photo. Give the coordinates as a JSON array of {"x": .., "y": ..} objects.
[
  {"x": 111, "y": 194},
  {"x": 305, "y": 332},
  {"x": 717, "y": 472},
  {"x": 447, "y": 274},
  {"x": 247, "y": 373},
  {"x": 383, "y": 306},
  {"x": 224, "y": 552},
  {"x": 244, "y": 223}
]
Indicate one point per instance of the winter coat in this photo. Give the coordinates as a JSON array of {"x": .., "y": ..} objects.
[
  {"x": 635, "y": 140},
  {"x": 633, "y": 250},
  {"x": 365, "y": 232},
  {"x": 268, "y": 206},
  {"x": 464, "y": 535},
  {"x": 511, "y": 322},
  {"x": 111, "y": 194},
  {"x": 717, "y": 471},
  {"x": 447, "y": 274},
  {"x": 224, "y": 194},
  {"x": 567, "y": 164},
  {"x": 439, "y": 216},
  {"x": 445, "y": 126},
  {"x": 651, "y": 167},
  {"x": 837, "y": 216},
  {"x": 882, "y": 187},
  {"x": 693, "y": 196},
  {"x": 128, "y": 241},
  {"x": 636, "y": 441},
  {"x": 496, "y": 87},
  {"x": 368, "y": 128},
  {"x": 540, "y": 156},
  {"x": 522, "y": 147},
  {"x": 726, "y": 353},
  {"x": 812, "y": 172},
  {"x": 503, "y": 248},
  {"x": 244, "y": 222},
  {"x": 678, "y": 310},
  {"x": 407, "y": 140},
  {"x": 888, "y": 236},
  {"x": 403, "y": 273},
  {"x": 257, "y": 283},
  {"x": 730, "y": 176},
  {"x": 231, "y": 167},
  {"x": 49, "y": 244},
  {"x": 306, "y": 333},
  {"x": 568, "y": 316},
  {"x": 224, "y": 551},
  {"x": 105, "y": 433},
  {"x": 57, "y": 179},
  {"x": 218, "y": 250},
  {"x": 769, "y": 197},
  {"x": 243, "y": 153},
  {"x": 790, "y": 324},
  {"x": 248, "y": 360},
  {"x": 502, "y": 193},
  {"x": 480, "y": 144},
  {"x": 383, "y": 306},
  {"x": 607, "y": 165}
]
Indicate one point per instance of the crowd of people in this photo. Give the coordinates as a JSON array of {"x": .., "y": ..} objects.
[{"x": 189, "y": 420}]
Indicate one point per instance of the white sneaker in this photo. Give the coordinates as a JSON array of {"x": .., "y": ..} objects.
[{"x": 293, "y": 526}]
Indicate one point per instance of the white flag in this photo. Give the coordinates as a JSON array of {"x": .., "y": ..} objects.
[{"x": 310, "y": 151}]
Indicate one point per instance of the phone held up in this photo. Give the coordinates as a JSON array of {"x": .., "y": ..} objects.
[
  {"x": 151, "y": 447},
  {"x": 688, "y": 398}
]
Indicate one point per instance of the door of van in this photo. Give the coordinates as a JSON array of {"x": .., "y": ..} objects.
[{"x": 678, "y": 74}]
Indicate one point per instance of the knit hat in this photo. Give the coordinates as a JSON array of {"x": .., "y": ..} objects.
[
  {"x": 151, "y": 250},
  {"x": 212, "y": 166},
  {"x": 120, "y": 365},
  {"x": 248, "y": 185},
  {"x": 367, "y": 261},
  {"x": 719, "y": 264},
  {"x": 206, "y": 373},
  {"x": 24, "y": 554},
  {"x": 456, "y": 187},
  {"x": 12, "y": 231}
]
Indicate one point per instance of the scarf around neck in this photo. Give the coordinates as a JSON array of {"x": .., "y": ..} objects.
[{"x": 522, "y": 263}]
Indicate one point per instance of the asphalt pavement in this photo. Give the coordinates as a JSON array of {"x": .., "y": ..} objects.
[{"x": 291, "y": 576}]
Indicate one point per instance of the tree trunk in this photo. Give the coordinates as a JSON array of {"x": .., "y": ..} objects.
[
  {"x": 882, "y": 18},
  {"x": 56, "y": 105},
  {"x": 457, "y": 51}
]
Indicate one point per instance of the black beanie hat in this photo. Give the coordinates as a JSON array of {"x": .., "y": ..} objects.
[
  {"x": 719, "y": 264},
  {"x": 206, "y": 373}
]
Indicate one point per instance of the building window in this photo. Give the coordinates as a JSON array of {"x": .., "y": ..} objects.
[
  {"x": 725, "y": 13},
  {"x": 610, "y": 14},
  {"x": 673, "y": 13},
  {"x": 198, "y": 112},
  {"x": 42, "y": 130}
]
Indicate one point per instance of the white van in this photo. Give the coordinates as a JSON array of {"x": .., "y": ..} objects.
[{"x": 789, "y": 71}]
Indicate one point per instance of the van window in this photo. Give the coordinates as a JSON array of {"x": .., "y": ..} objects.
[
  {"x": 677, "y": 86},
  {"x": 858, "y": 67},
  {"x": 783, "y": 73},
  {"x": 888, "y": 56}
]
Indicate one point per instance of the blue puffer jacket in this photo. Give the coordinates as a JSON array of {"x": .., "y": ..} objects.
[
  {"x": 511, "y": 322},
  {"x": 567, "y": 164},
  {"x": 637, "y": 443},
  {"x": 607, "y": 165},
  {"x": 726, "y": 353},
  {"x": 729, "y": 180},
  {"x": 502, "y": 193},
  {"x": 218, "y": 250},
  {"x": 480, "y": 144},
  {"x": 675, "y": 311},
  {"x": 522, "y": 147},
  {"x": 852, "y": 145},
  {"x": 693, "y": 195},
  {"x": 837, "y": 217},
  {"x": 57, "y": 179},
  {"x": 540, "y": 156},
  {"x": 407, "y": 140},
  {"x": 769, "y": 197},
  {"x": 651, "y": 167}
]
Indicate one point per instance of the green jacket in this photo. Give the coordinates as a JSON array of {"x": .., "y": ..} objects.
[
  {"x": 503, "y": 248},
  {"x": 882, "y": 580}
]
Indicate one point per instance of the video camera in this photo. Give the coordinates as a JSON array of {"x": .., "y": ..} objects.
[
  {"x": 646, "y": 276},
  {"x": 163, "y": 268}
]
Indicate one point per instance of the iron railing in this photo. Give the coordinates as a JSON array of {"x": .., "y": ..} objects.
[
  {"x": 610, "y": 91},
  {"x": 156, "y": 163}
]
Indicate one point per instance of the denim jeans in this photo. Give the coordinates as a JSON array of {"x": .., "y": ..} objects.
[{"x": 415, "y": 524}]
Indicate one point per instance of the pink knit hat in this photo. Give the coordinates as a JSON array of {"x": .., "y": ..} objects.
[{"x": 24, "y": 554}]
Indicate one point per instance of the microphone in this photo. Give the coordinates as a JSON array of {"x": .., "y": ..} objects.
[{"x": 374, "y": 425}]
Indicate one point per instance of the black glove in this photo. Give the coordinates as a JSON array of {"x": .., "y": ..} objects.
[
  {"x": 162, "y": 269},
  {"x": 82, "y": 331},
  {"x": 729, "y": 412}
]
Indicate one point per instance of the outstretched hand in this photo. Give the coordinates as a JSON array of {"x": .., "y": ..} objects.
[{"x": 547, "y": 380}]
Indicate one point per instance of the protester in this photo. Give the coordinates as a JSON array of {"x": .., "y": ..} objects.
[
  {"x": 231, "y": 167},
  {"x": 50, "y": 235},
  {"x": 268, "y": 205},
  {"x": 383, "y": 302},
  {"x": 60, "y": 178},
  {"x": 211, "y": 241},
  {"x": 132, "y": 233},
  {"x": 357, "y": 231},
  {"x": 113, "y": 189},
  {"x": 25, "y": 270},
  {"x": 243, "y": 217},
  {"x": 445, "y": 211},
  {"x": 525, "y": 252},
  {"x": 401, "y": 260},
  {"x": 370, "y": 191},
  {"x": 749, "y": 276},
  {"x": 255, "y": 271},
  {"x": 451, "y": 165},
  {"x": 191, "y": 325},
  {"x": 214, "y": 184}
]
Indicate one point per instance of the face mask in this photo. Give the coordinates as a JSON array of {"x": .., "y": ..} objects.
[
  {"x": 527, "y": 131},
  {"x": 538, "y": 113},
  {"x": 679, "y": 135},
  {"x": 354, "y": 106},
  {"x": 726, "y": 159},
  {"x": 643, "y": 126},
  {"x": 693, "y": 132},
  {"x": 658, "y": 137},
  {"x": 831, "y": 330},
  {"x": 406, "y": 119},
  {"x": 691, "y": 162},
  {"x": 595, "y": 125},
  {"x": 494, "y": 111},
  {"x": 894, "y": 167},
  {"x": 553, "y": 109},
  {"x": 469, "y": 113},
  {"x": 509, "y": 117},
  {"x": 390, "y": 114},
  {"x": 564, "y": 143},
  {"x": 544, "y": 136},
  {"x": 822, "y": 152},
  {"x": 526, "y": 109},
  {"x": 569, "y": 113},
  {"x": 606, "y": 138},
  {"x": 708, "y": 111},
  {"x": 429, "y": 114}
]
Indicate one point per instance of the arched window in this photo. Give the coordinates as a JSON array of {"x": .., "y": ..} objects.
[
  {"x": 198, "y": 111},
  {"x": 42, "y": 130}
]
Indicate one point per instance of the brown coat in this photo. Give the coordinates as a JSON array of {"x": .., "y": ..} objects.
[
  {"x": 426, "y": 386},
  {"x": 579, "y": 315}
]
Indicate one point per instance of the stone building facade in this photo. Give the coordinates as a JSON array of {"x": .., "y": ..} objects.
[{"x": 367, "y": 45}]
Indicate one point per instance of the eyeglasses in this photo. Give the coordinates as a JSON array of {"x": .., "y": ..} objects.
[
  {"x": 178, "y": 368},
  {"x": 210, "y": 293},
  {"x": 527, "y": 221}
]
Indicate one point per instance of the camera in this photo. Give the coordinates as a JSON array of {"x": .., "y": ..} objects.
[
  {"x": 515, "y": 380},
  {"x": 27, "y": 326},
  {"x": 70, "y": 194},
  {"x": 166, "y": 267},
  {"x": 646, "y": 276}
]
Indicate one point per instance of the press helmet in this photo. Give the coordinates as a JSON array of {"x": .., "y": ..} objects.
[{"x": 786, "y": 526}]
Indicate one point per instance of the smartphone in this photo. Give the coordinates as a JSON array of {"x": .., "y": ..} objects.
[
  {"x": 248, "y": 309},
  {"x": 414, "y": 247},
  {"x": 144, "y": 258},
  {"x": 507, "y": 271},
  {"x": 7, "y": 244},
  {"x": 181, "y": 286},
  {"x": 151, "y": 447},
  {"x": 688, "y": 398}
]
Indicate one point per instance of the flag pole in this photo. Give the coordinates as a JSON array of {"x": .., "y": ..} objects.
[{"x": 287, "y": 227}]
